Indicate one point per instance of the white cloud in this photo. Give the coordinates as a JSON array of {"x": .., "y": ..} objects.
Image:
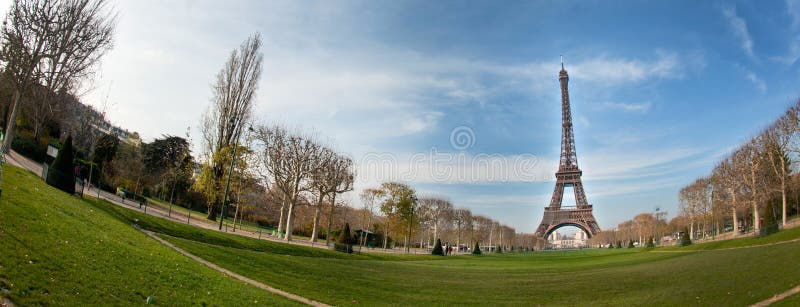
[
  {"x": 762, "y": 86},
  {"x": 793, "y": 9},
  {"x": 641, "y": 107},
  {"x": 739, "y": 28}
]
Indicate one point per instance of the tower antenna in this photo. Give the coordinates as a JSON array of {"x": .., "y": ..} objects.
[{"x": 562, "y": 62}]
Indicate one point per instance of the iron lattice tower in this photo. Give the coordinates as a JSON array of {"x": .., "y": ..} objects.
[{"x": 568, "y": 175}]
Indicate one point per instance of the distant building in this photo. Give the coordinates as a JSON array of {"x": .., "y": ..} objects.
[{"x": 558, "y": 241}]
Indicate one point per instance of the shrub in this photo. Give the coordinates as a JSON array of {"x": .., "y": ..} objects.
[
  {"x": 630, "y": 243},
  {"x": 477, "y": 249},
  {"x": 25, "y": 145},
  {"x": 60, "y": 173},
  {"x": 610, "y": 245},
  {"x": 499, "y": 250},
  {"x": 437, "y": 249},
  {"x": 650, "y": 243},
  {"x": 685, "y": 239},
  {"x": 619, "y": 244}
]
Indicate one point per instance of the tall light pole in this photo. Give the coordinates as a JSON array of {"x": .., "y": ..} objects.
[
  {"x": 410, "y": 221},
  {"x": 230, "y": 172}
]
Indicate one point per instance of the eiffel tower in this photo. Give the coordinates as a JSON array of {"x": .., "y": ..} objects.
[{"x": 568, "y": 175}]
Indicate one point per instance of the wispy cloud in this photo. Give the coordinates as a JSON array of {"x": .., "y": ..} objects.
[
  {"x": 641, "y": 107},
  {"x": 739, "y": 28},
  {"x": 762, "y": 86}
]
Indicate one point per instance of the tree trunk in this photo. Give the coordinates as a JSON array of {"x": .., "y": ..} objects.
[
  {"x": 330, "y": 220},
  {"x": 289, "y": 217},
  {"x": 235, "y": 214},
  {"x": 212, "y": 212},
  {"x": 386, "y": 234},
  {"x": 735, "y": 223},
  {"x": 281, "y": 224},
  {"x": 435, "y": 231},
  {"x": 783, "y": 198},
  {"x": 316, "y": 224},
  {"x": 12, "y": 122},
  {"x": 756, "y": 220}
]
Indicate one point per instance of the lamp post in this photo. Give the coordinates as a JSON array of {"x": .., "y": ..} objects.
[
  {"x": 230, "y": 172},
  {"x": 410, "y": 222}
]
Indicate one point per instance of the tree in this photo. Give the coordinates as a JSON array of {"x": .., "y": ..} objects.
[
  {"x": 368, "y": 198},
  {"x": 650, "y": 243},
  {"x": 344, "y": 242},
  {"x": 437, "y": 249},
  {"x": 441, "y": 210},
  {"x": 341, "y": 180},
  {"x": 52, "y": 44},
  {"x": 290, "y": 161},
  {"x": 477, "y": 249},
  {"x": 777, "y": 140},
  {"x": 60, "y": 174},
  {"x": 232, "y": 107},
  {"x": 463, "y": 219},
  {"x": 396, "y": 206},
  {"x": 105, "y": 149}
]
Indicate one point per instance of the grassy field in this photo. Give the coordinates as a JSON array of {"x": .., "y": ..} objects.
[
  {"x": 108, "y": 260},
  {"x": 57, "y": 249}
]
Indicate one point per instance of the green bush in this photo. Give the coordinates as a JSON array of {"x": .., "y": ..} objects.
[
  {"x": 630, "y": 243},
  {"x": 650, "y": 243},
  {"x": 685, "y": 239},
  {"x": 437, "y": 249},
  {"x": 477, "y": 249},
  {"x": 619, "y": 244},
  {"x": 60, "y": 174},
  {"x": 499, "y": 250},
  {"x": 28, "y": 147}
]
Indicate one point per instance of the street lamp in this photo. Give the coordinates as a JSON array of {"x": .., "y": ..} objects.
[
  {"x": 410, "y": 221},
  {"x": 231, "y": 122}
]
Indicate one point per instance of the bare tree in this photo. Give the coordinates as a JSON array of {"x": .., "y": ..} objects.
[
  {"x": 777, "y": 140},
  {"x": 369, "y": 198},
  {"x": 290, "y": 160},
  {"x": 321, "y": 181},
  {"x": 232, "y": 106},
  {"x": 462, "y": 219},
  {"x": 53, "y": 44},
  {"x": 441, "y": 211},
  {"x": 341, "y": 181}
]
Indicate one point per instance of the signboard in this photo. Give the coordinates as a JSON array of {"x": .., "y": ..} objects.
[{"x": 52, "y": 151}]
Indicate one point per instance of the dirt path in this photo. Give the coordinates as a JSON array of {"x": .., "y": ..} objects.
[
  {"x": 237, "y": 276},
  {"x": 729, "y": 248},
  {"x": 778, "y": 297}
]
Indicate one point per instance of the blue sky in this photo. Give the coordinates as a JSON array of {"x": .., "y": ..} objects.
[{"x": 660, "y": 90}]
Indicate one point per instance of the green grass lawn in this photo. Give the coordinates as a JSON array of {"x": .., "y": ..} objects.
[
  {"x": 699, "y": 274},
  {"x": 108, "y": 260},
  {"x": 57, "y": 249}
]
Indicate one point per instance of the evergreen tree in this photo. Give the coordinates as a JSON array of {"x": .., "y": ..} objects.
[
  {"x": 619, "y": 244},
  {"x": 610, "y": 245},
  {"x": 477, "y": 249},
  {"x": 650, "y": 243},
  {"x": 499, "y": 250},
  {"x": 344, "y": 236},
  {"x": 630, "y": 243},
  {"x": 437, "y": 249},
  {"x": 60, "y": 174}
]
